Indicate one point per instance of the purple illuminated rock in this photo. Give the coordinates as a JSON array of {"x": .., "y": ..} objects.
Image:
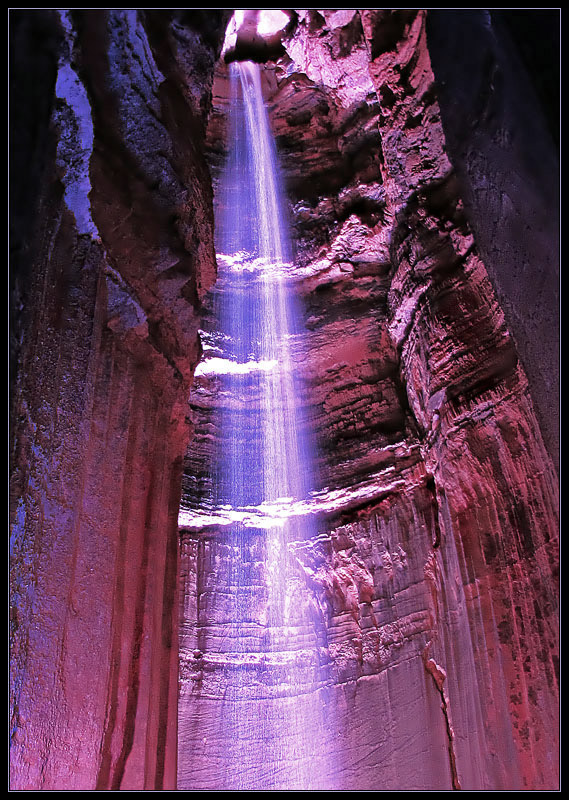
[
  {"x": 110, "y": 275},
  {"x": 433, "y": 576}
]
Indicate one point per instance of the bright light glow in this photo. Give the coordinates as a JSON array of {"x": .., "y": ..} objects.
[
  {"x": 223, "y": 366},
  {"x": 268, "y": 515},
  {"x": 271, "y": 21},
  {"x": 238, "y": 17},
  {"x": 245, "y": 262}
]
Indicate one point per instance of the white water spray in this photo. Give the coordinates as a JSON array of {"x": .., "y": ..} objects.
[{"x": 275, "y": 664}]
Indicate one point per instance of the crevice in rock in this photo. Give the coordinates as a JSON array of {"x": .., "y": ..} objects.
[{"x": 439, "y": 675}]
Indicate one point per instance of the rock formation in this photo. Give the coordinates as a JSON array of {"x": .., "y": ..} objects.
[
  {"x": 433, "y": 576},
  {"x": 113, "y": 251},
  {"x": 432, "y": 581},
  {"x": 503, "y": 124}
]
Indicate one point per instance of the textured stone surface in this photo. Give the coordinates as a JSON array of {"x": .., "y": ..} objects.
[
  {"x": 498, "y": 126},
  {"x": 106, "y": 291},
  {"x": 432, "y": 575},
  {"x": 430, "y": 583}
]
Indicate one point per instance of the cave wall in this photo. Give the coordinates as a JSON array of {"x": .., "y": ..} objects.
[
  {"x": 433, "y": 581},
  {"x": 498, "y": 88},
  {"x": 112, "y": 251},
  {"x": 433, "y": 577}
]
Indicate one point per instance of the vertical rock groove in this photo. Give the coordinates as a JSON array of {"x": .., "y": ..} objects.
[
  {"x": 105, "y": 340},
  {"x": 103, "y": 777},
  {"x": 439, "y": 675}
]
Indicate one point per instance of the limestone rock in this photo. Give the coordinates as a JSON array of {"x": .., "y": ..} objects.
[
  {"x": 117, "y": 254},
  {"x": 424, "y": 602},
  {"x": 432, "y": 575}
]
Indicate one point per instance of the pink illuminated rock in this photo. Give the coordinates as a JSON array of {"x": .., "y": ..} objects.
[
  {"x": 425, "y": 603},
  {"x": 433, "y": 579},
  {"x": 120, "y": 254}
]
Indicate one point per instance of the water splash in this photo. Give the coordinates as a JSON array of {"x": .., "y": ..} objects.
[{"x": 275, "y": 668}]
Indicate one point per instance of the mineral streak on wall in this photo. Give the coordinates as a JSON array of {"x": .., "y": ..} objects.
[{"x": 433, "y": 567}]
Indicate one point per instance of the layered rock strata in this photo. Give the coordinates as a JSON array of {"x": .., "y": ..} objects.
[
  {"x": 497, "y": 126},
  {"x": 431, "y": 582},
  {"x": 113, "y": 251}
]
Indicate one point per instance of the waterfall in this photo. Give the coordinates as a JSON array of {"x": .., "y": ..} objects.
[{"x": 272, "y": 685}]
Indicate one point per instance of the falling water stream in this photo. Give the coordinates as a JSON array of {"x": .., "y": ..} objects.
[{"x": 274, "y": 697}]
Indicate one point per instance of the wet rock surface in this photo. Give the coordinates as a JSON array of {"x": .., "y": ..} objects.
[
  {"x": 433, "y": 576},
  {"x": 431, "y": 581},
  {"x": 107, "y": 290}
]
